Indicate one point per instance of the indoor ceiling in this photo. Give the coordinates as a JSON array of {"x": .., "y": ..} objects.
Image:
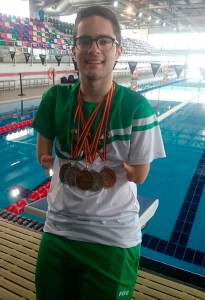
[{"x": 154, "y": 15}]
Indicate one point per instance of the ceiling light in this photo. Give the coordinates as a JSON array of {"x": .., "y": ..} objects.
[
  {"x": 149, "y": 18},
  {"x": 129, "y": 9},
  {"x": 164, "y": 24},
  {"x": 140, "y": 15},
  {"x": 157, "y": 21},
  {"x": 115, "y": 4}
]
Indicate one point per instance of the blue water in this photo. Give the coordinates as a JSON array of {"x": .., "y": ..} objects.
[
  {"x": 173, "y": 181},
  {"x": 169, "y": 180}
]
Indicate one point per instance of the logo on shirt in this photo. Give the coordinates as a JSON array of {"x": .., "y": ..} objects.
[{"x": 123, "y": 293}]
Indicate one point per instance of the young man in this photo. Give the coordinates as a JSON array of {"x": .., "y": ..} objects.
[{"x": 105, "y": 137}]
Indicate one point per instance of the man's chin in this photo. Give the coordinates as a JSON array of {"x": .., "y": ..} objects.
[{"x": 92, "y": 76}]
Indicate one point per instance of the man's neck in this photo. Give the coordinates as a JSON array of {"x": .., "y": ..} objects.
[{"x": 95, "y": 91}]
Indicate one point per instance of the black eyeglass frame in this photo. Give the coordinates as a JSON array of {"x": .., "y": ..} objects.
[{"x": 114, "y": 41}]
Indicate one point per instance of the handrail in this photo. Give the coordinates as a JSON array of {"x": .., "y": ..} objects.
[{"x": 36, "y": 73}]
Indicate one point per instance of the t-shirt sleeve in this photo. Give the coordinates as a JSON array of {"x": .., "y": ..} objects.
[
  {"x": 44, "y": 121},
  {"x": 146, "y": 139}
]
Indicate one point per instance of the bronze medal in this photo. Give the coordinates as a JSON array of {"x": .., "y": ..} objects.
[
  {"x": 97, "y": 182},
  {"x": 84, "y": 180},
  {"x": 62, "y": 172},
  {"x": 70, "y": 175},
  {"x": 109, "y": 177}
]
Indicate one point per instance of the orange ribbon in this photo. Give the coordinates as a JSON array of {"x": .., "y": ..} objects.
[{"x": 83, "y": 129}]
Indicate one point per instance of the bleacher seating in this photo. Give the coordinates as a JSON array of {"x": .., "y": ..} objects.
[
  {"x": 25, "y": 32},
  {"x": 54, "y": 37},
  {"x": 135, "y": 47},
  {"x": 54, "y": 34}
]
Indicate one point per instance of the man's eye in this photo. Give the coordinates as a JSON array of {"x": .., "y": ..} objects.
[
  {"x": 84, "y": 42},
  {"x": 104, "y": 41}
]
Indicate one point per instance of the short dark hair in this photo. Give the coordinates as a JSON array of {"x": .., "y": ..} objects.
[{"x": 101, "y": 12}]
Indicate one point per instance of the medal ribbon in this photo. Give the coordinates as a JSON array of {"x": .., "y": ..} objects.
[{"x": 83, "y": 135}]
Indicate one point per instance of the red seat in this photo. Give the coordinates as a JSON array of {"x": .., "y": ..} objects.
[
  {"x": 21, "y": 203},
  {"x": 13, "y": 208}
]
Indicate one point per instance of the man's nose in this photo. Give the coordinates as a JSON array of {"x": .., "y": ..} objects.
[{"x": 94, "y": 47}]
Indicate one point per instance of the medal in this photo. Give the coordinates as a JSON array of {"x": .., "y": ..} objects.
[
  {"x": 70, "y": 175},
  {"x": 87, "y": 142},
  {"x": 97, "y": 182},
  {"x": 109, "y": 177},
  {"x": 88, "y": 138},
  {"x": 84, "y": 180},
  {"x": 62, "y": 172}
]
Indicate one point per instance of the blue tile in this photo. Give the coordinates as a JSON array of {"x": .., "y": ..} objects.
[
  {"x": 201, "y": 183},
  {"x": 189, "y": 255},
  {"x": 189, "y": 196},
  {"x": 196, "y": 199},
  {"x": 170, "y": 250},
  {"x": 183, "y": 240},
  {"x": 187, "y": 228},
  {"x": 162, "y": 245},
  {"x": 186, "y": 205},
  {"x": 182, "y": 215},
  {"x": 175, "y": 236},
  {"x": 153, "y": 243},
  {"x": 145, "y": 240},
  {"x": 179, "y": 253},
  {"x": 190, "y": 217},
  {"x": 199, "y": 258},
  {"x": 191, "y": 189},
  {"x": 193, "y": 207},
  {"x": 179, "y": 225},
  {"x": 199, "y": 190}
]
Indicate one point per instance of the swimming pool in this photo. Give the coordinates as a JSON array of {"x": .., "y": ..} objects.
[{"x": 174, "y": 235}]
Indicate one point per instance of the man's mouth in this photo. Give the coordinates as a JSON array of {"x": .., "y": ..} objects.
[{"x": 94, "y": 62}]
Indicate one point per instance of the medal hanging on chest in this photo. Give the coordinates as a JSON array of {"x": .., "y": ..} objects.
[{"x": 88, "y": 144}]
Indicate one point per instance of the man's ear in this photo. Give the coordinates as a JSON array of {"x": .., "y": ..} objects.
[
  {"x": 118, "y": 52},
  {"x": 73, "y": 52}
]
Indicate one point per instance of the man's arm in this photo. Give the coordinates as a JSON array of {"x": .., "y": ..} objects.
[
  {"x": 136, "y": 173},
  {"x": 44, "y": 152}
]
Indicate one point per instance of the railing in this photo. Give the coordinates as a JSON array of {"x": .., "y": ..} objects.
[{"x": 25, "y": 81}]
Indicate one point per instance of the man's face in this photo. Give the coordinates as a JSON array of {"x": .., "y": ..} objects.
[{"x": 93, "y": 63}]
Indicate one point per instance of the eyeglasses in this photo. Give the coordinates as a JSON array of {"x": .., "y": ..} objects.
[{"x": 84, "y": 43}]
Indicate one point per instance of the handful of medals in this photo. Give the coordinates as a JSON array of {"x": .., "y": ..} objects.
[{"x": 87, "y": 180}]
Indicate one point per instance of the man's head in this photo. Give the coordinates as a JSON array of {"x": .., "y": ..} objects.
[
  {"x": 101, "y": 12},
  {"x": 97, "y": 39}
]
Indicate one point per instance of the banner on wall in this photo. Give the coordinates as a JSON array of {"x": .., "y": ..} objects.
[
  {"x": 27, "y": 56},
  {"x": 132, "y": 66},
  {"x": 58, "y": 59},
  {"x": 12, "y": 53},
  {"x": 178, "y": 69},
  {"x": 155, "y": 68},
  {"x": 43, "y": 58}
]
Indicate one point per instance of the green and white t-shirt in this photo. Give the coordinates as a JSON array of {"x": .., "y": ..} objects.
[{"x": 109, "y": 216}]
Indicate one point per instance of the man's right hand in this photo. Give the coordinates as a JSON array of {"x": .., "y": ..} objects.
[{"x": 47, "y": 162}]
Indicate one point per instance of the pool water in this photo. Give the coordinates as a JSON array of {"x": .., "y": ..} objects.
[{"x": 175, "y": 234}]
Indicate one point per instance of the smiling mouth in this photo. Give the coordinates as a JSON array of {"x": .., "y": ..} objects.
[{"x": 94, "y": 62}]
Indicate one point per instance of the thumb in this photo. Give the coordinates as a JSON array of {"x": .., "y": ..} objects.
[{"x": 126, "y": 166}]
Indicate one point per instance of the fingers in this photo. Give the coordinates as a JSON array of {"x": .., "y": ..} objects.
[
  {"x": 126, "y": 166},
  {"x": 47, "y": 162}
]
